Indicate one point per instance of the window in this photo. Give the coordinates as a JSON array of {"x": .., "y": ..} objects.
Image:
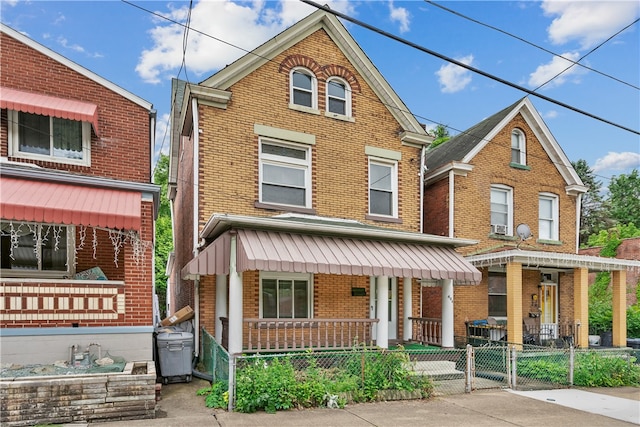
[
  {"x": 501, "y": 210},
  {"x": 383, "y": 195},
  {"x": 338, "y": 97},
  {"x": 518, "y": 147},
  {"x": 548, "y": 217},
  {"x": 497, "y": 294},
  {"x": 285, "y": 296},
  {"x": 285, "y": 173},
  {"x": 303, "y": 88},
  {"x": 36, "y": 249},
  {"x": 49, "y": 138}
]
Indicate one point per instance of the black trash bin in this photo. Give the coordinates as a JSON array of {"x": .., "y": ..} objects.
[{"x": 606, "y": 339}]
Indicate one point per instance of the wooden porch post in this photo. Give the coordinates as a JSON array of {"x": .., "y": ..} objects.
[
  {"x": 382, "y": 330},
  {"x": 407, "y": 299},
  {"x": 221, "y": 304},
  {"x": 514, "y": 303},
  {"x": 447, "y": 313},
  {"x": 619, "y": 285},
  {"x": 581, "y": 305}
]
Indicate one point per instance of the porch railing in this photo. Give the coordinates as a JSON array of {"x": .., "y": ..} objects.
[
  {"x": 273, "y": 335},
  {"x": 426, "y": 330},
  {"x": 558, "y": 335}
]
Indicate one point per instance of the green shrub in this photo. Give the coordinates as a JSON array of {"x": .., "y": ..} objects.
[
  {"x": 602, "y": 370},
  {"x": 544, "y": 370},
  {"x": 216, "y": 396},
  {"x": 633, "y": 321}
]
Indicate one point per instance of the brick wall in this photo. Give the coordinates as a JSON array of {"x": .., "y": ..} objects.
[{"x": 436, "y": 208}]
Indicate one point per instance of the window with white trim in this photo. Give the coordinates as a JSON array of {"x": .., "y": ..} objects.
[
  {"x": 548, "y": 216},
  {"x": 497, "y": 294},
  {"x": 285, "y": 173},
  {"x": 501, "y": 210},
  {"x": 338, "y": 97},
  {"x": 285, "y": 296},
  {"x": 383, "y": 188},
  {"x": 35, "y": 249},
  {"x": 518, "y": 147},
  {"x": 48, "y": 138},
  {"x": 304, "y": 88}
]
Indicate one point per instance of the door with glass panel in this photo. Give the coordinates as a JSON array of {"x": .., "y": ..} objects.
[
  {"x": 393, "y": 306},
  {"x": 548, "y": 308}
]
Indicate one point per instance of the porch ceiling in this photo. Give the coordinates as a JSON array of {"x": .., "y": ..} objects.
[{"x": 309, "y": 253}]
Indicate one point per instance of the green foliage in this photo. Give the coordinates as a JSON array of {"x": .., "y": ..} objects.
[
  {"x": 217, "y": 396},
  {"x": 440, "y": 135},
  {"x": 633, "y": 321},
  {"x": 593, "y": 214},
  {"x": 544, "y": 369},
  {"x": 164, "y": 235},
  {"x": 603, "y": 370},
  {"x": 624, "y": 198},
  {"x": 610, "y": 239}
]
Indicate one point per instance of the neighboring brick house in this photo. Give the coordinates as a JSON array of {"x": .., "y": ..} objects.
[
  {"x": 77, "y": 207},
  {"x": 295, "y": 180},
  {"x": 506, "y": 183},
  {"x": 628, "y": 249}
]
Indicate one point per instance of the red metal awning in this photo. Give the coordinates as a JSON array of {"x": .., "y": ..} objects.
[
  {"x": 34, "y": 103},
  {"x": 306, "y": 253},
  {"x": 55, "y": 203}
]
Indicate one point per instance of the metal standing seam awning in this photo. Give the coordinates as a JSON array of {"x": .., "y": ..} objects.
[
  {"x": 34, "y": 103},
  {"x": 56, "y": 203},
  {"x": 307, "y": 253}
]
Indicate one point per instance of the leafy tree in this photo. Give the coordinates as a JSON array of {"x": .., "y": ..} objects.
[
  {"x": 593, "y": 213},
  {"x": 441, "y": 135},
  {"x": 164, "y": 236},
  {"x": 624, "y": 198}
]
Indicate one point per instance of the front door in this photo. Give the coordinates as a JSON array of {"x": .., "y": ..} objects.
[
  {"x": 393, "y": 306},
  {"x": 548, "y": 309}
]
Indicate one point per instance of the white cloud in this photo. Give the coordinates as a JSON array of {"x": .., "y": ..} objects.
[
  {"x": 401, "y": 15},
  {"x": 617, "y": 161},
  {"x": 588, "y": 22},
  {"x": 545, "y": 72},
  {"x": 453, "y": 78},
  {"x": 237, "y": 28},
  {"x": 551, "y": 114}
]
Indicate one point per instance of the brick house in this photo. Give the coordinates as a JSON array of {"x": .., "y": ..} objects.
[
  {"x": 507, "y": 184},
  {"x": 295, "y": 185},
  {"x": 77, "y": 210}
]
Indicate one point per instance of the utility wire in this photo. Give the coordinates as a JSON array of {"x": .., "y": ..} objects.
[
  {"x": 540, "y": 47},
  {"x": 465, "y": 66}
]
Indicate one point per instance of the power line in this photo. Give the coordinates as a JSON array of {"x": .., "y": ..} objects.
[
  {"x": 540, "y": 47},
  {"x": 465, "y": 66}
]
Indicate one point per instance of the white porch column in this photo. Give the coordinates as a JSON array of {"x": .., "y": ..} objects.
[
  {"x": 407, "y": 298},
  {"x": 235, "y": 302},
  {"x": 447, "y": 313},
  {"x": 382, "y": 330},
  {"x": 221, "y": 304}
]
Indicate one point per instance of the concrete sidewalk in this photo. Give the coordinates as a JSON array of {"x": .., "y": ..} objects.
[{"x": 180, "y": 406}]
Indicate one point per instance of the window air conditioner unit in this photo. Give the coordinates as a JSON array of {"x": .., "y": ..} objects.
[{"x": 498, "y": 229}]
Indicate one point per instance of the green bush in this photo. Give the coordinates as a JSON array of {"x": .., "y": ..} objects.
[
  {"x": 544, "y": 369},
  {"x": 602, "y": 370},
  {"x": 216, "y": 396}
]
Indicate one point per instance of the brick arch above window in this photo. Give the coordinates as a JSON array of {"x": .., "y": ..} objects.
[
  {"x": 334, "y": 70},
  {"x": 297, "y": 60}
]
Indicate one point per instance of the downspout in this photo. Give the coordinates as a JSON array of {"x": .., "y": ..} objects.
[
  {"x": 578, "y": 220},
  {"x": 196, "y": 231},
  {"x": 423, "y": 153},
  {"x": 451, "y": 202}
]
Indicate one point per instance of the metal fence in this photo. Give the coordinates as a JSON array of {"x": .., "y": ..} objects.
[{"x": 214, "y": 358}]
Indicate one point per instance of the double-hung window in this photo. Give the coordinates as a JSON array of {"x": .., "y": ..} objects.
[
  {"x": 497, "y": 294},
  {"x": 304, "y": 88},
  {"x": 383, "y": 188},
  {"x": 285, "y": 296},
  {"x": 285, "y": 173},
  {"x": 501, "y": 210},
  {"x": 49, "y": 138},
  {"x": 34, "y": 249},
  {"x": 518, "y": 147},
  {"x": 548, "y": 216},
  {"x": 338, "y": 97}
]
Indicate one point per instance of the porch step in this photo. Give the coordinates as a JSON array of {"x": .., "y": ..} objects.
[{"x": 438, "y": 369}]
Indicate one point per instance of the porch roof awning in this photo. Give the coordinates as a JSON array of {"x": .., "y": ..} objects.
[
  {"x": 56, "y": 203},
  {"x": 310, "y": 253},
  {"x": 541, "y": 259},
  {"x": 35, "y": 103}
]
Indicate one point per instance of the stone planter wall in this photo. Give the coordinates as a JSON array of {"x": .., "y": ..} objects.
[{"x": 124, "y": 395}]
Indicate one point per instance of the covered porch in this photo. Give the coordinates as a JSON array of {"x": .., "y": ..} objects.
[{"x": 346, "y": 282}]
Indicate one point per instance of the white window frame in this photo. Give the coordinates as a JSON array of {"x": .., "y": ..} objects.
[
  {"x": 393, "y": 166},
  {"x": 14, "y": 143},
  {"x": 313, "y": 91},
  {"x": 346, "y": 99},
  {"x": 509, "y": 193},
  {"x": 286, "y": 162},
  {"x": 554, "y": 220},
  {"x": 518, "y": 147},
  {"x": 40, "y": 273},
  {"x": 287, "y": 276}
]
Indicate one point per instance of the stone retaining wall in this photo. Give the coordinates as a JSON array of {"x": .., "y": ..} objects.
[{"x": 75, "y": 398}]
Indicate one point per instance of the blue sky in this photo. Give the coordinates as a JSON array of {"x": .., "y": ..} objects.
[{"x": 141, "y": 52}]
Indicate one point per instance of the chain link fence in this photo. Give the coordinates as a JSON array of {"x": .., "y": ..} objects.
[{"x": 214, "y": 358}]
